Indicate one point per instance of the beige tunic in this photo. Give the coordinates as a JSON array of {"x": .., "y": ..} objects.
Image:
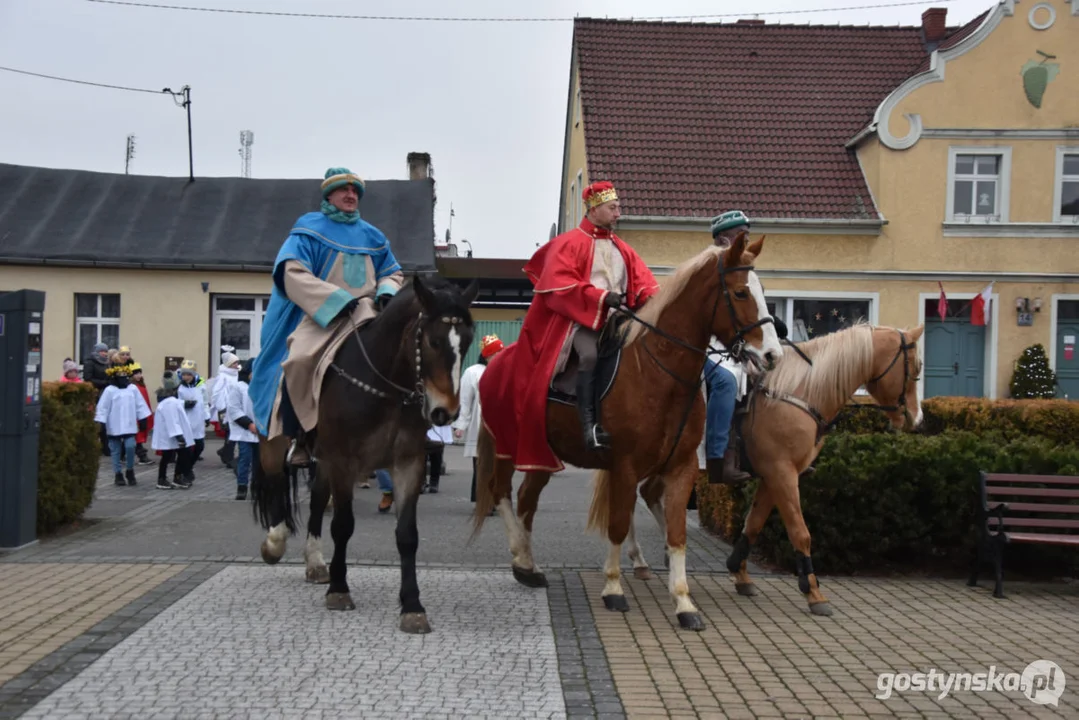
[
  {"x": 311, "y": 348},
  {"x": 608, "y": 273}
]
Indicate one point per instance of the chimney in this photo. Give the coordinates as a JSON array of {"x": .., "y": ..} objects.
[
  {"x": 933, "y": 24},
  {"x": 750, "y": 22},
  {"x": 419, "y": 166}
]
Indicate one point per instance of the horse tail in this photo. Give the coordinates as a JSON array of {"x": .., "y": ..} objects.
[
  {"x": 485, "y": 478},
  {"x": 273, "y": 494},
  {"x": 600, "y": 512}
]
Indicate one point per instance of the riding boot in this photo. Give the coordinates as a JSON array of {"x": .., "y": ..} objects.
[
  {"x": 725, "y": 471},
  {"x": 595, "y": 437}
]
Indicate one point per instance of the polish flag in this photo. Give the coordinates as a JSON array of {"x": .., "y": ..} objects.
[
  {"x": 942, "y": 303},
  {"x": 979, "y": 306}
]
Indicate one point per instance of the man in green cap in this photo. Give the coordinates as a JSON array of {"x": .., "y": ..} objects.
[{"x": 332, "y": 266}]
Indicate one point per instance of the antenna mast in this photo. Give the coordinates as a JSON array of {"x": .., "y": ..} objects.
[
  {"x": 247, "y": 139},
  {"x": 130, "y": 153}
]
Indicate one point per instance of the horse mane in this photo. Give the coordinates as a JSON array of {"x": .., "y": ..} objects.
[
  {"x": 841, "y": 360},
  {"x": 670, "y": 290}
]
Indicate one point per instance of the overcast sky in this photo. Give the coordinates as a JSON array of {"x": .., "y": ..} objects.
[{"x": 487, "y": 100}]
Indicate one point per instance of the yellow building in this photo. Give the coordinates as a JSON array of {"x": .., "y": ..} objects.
[
  {"x": 170, "y": 268},
  {"x": 882, "y": 163}
]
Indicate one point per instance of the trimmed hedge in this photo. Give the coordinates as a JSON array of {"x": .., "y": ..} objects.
[
  {"x": 1056, "y": 420},
  {"x": 68, "y": 454},
  {"x": 880, "y": 503}
]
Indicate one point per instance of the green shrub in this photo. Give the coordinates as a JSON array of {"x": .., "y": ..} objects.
[
  {"x": 880, "y": 503},
  {"x": 68, "y": 454},
  {"x": 1055, "y": 420}
]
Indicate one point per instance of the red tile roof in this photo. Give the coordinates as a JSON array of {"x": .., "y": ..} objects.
[{"x": 691, "y": 119}]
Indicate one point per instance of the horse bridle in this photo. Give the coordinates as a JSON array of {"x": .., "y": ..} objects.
[
  {"x": 736, "y": 349},
  {"x": 901, "y": 402},
  {"x": 417, "y": 395}
]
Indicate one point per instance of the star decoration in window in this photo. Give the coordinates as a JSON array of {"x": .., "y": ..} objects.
[
  {"x": 842, "y": 318},
  {"x": 818, "y": 316},
  {"x": 809, "y": 329},
  {"x": 835, "y": 312}
]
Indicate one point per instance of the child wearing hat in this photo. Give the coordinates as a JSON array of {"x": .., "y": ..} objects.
[
  {"x": 240, "y": 414},
  {"x": 190, "y": 393},
  {"x": 172, "y": 435},
  {"x": 71, "y": 371},
  {"x": 122, "y": 412},
  {"x": 219, "y": 397}
]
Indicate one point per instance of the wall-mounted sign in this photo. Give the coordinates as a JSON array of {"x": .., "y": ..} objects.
[
  {"x": 1025, "y": 318},
  {"x": 1037, "y": 76},
  {"x": 172, "y": 362}
]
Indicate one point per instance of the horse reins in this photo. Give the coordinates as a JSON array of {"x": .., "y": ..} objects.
[
  {"x": 735, "y": 351},
  {"x": 415, "y": 396},
  {"x": 824, "y": 426}
]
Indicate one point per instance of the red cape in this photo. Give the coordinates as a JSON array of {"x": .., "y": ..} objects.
[
  {"x": 140, "y": 437},
  {"x": 513, "y": 388}
]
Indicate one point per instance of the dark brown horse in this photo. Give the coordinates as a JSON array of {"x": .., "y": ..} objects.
[
  {"x": 654, "y": 413},
  {"x": 390, "y": 381},
  {"x": 784, "y": 431}
]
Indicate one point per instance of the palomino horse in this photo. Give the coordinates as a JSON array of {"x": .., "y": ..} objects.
[
  {"x": 785, "y": 427},
  {"x": 391, "y": 380},
  {"x": 653, "y": 412}
]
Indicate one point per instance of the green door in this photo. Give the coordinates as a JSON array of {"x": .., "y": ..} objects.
[
  {"x": 506, "y": 330},
  {"x": 1067, "y": 354},
  {"x": 954, "y": 355}
]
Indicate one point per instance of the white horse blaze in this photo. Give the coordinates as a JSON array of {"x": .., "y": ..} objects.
[
  {"x": 455, "y": 343},
  {"x": 771, "y": 339},
  {"x": 678, "y": 584}
]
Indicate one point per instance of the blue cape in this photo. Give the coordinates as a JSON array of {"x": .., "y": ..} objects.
[{"x": 315, "y": 242}]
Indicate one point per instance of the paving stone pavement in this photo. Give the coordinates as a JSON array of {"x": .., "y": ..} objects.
[{"x": 160, "y": 608}]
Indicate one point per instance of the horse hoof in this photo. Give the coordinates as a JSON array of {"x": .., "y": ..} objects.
[
  {"x": 642, "y": 573},
  {"x": 691, "y": 621},
  {"x": 746, "y": 589},
  {"x": 616, "y": 602},
  {"x": 824, "y": 609},
  {"x": 339, "y": 601},
  {"x": 267, "y": 556},
  {"x": 529, "y": 578},
  {"x": 318, "y": 575},
  {"x": 415, "y": 623}
]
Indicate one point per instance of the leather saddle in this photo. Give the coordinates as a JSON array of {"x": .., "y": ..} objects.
[{"x": 609, "y": 355}]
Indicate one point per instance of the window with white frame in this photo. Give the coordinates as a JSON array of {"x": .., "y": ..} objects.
[
  {"x": 97, "y": 319},
  {"x": 579, "y": 199},
  {"x": 978, "y": 184},
  {"x": 1067, "y": 186}
]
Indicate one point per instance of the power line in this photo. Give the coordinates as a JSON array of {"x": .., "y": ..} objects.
[
  {"x": 80, "y": 82},
  {"x": 411, "y": 18}
]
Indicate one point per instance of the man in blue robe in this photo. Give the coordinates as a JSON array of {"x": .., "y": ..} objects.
[{"x": 333, "y": 265}]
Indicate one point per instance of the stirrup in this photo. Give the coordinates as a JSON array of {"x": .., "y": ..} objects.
[{"x": 596, "y": 438}]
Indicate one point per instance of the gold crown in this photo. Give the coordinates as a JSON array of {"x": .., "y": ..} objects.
[{"x": 603, "y": 196}]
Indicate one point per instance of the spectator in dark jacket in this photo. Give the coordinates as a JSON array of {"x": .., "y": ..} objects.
[{"x": 93, "y": 372}]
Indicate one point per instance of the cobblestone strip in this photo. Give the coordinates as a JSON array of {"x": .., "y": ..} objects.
[
  {"x": 258, "y": 642},
  {"x": 587, "y": 685},
  {"x": 60, "y": 666}
]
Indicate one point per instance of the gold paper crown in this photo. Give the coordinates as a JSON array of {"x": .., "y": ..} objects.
[
  {"x": 603, "y": 196},
  {"x": 118, "y": 370}
]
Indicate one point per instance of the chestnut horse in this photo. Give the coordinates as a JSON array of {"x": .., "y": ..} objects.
[
  {"x": 654, "y": 413},
  {"x": 785, "y": 427}
]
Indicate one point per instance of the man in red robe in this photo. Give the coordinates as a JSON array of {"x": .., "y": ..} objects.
[{"x": 579, "y": 277}]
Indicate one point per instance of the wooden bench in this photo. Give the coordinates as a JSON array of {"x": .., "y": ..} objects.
[{"x": 1023, "y": 509}]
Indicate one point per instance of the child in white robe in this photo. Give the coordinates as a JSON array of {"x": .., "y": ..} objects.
[
  {"x": 122, "y": 411},
  {"x": 240, "y": 413},
  {"x": 172, "y": 435}
]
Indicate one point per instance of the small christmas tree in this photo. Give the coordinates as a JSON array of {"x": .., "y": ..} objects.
[{"x": 1032, "y": 377}]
